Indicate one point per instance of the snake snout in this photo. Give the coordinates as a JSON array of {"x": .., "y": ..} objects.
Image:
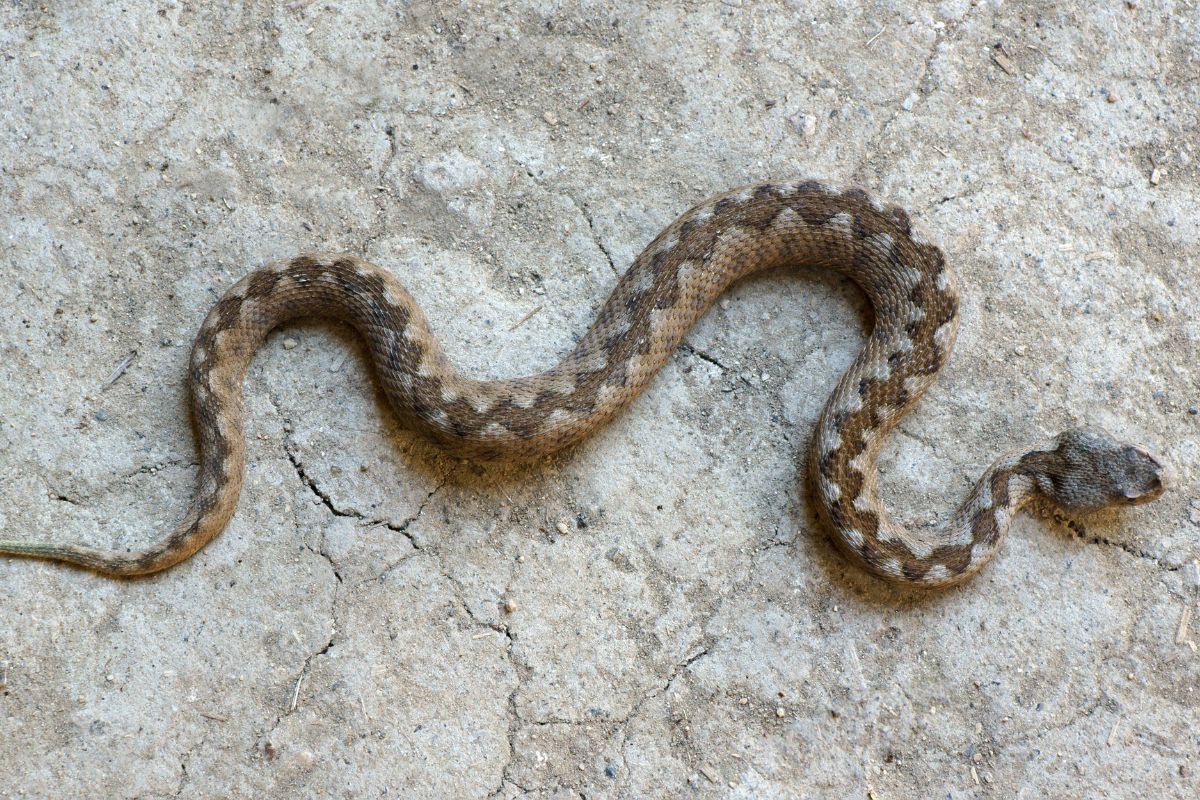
[{"x": 1146, "y": 477}]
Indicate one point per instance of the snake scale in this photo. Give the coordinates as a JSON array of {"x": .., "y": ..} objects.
[{"x": 668, "y": 287}]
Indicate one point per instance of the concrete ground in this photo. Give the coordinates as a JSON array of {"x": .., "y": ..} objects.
[{"x": 656, "y": 613}]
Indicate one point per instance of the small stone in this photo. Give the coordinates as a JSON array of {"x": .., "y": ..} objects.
[
  {"x": 510, "y": 606},
  {"x": 910, "y": 101},
  {"x": 610, "y": 771},
  {"x": 289, "y": 343},
  {"x": 780, "y": 712},
  {"x": 550, "y": 118},
  {"x": 101, "y": 416},
  {"x": 562, "y": 528},
  {"x": 1193, "y": 410}
]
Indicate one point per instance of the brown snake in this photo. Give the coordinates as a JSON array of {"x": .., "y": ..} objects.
[{"x": 668, "y": 287}]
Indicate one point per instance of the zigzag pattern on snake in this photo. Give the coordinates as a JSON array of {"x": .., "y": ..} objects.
[{"x": 668, "y": 287}]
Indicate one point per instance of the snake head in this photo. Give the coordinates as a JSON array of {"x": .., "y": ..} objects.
[{"x": 1090, "y": 469}]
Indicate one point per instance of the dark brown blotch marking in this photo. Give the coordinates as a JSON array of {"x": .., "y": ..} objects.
[
  {"x": 900, "y": 219},
  {"x": 836, "y": 515},
  {"x": 933, "y": 256},
  {"x": 983, "y": 527},
  {"x": 262, "y": 283},
  {"x": 955, "y": 558},
  {"x": 932, "y": 363},
  {"x": 919, "y": 294},
  {"x": 948, "y": 310},
  {"x": 827, "y": 463}
]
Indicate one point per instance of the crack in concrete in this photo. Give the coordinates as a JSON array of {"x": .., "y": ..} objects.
[
  {"x": 872, "y": 145},
  {"x": 297, "y": 465},
  {"x": 1080, "y": 533},
  {"x": 703, "y": 356},
  {"x": 587, "y": 215},
  {"x": 311, "y": 483},
  {"x": 676, "y": 670},
  {"x": 613, "y": 726},
  {"x": 110, "y": 485},
  {"x": 379, "y": 226},
  {"x": 185, "y": 777}
]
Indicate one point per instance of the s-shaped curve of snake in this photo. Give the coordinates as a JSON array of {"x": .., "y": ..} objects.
[{"x": 668, "y": 287}]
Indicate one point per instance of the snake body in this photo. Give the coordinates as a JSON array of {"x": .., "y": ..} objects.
[{"x": 668, "y": 287}]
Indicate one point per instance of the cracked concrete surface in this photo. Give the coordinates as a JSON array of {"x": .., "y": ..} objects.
[{"x": 656, "y": 613}]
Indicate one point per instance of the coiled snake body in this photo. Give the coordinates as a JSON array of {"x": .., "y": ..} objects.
[{"x": 670, "y": 285}]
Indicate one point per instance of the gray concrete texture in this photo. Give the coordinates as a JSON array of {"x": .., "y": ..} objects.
[{"x": 656, "y": 613}]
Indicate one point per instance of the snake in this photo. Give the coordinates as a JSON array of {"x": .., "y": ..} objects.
[{"x": 668, "y": 287}]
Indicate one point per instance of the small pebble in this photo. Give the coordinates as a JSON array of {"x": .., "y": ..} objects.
[
  {"x": 562, "y": 528},
  {"x": 510, "y": 606},
  {"x": 1193, "y": 410},
  {"x": 101, "y": 415},
  {"x": 289, "y": 343},
  {"x": 780, "y": 712}
]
